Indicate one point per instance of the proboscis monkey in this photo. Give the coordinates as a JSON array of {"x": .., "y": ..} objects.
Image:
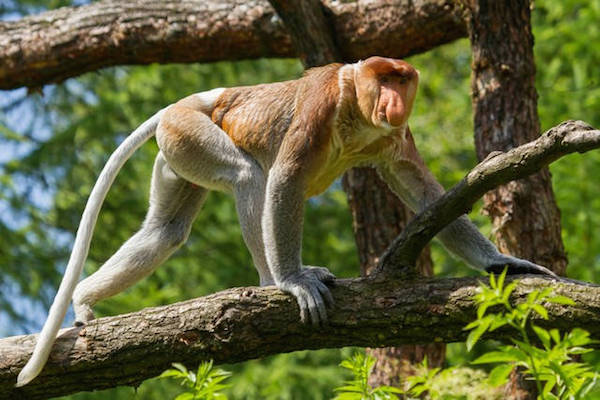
[{"x": 272, "y": 146}]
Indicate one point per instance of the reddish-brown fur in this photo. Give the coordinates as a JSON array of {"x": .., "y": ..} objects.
[{"x": 302, "y": 126}]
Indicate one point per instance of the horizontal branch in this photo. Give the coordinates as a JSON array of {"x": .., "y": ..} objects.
[
  {"x": 497, "y": 169},
  {"x": 59, "y": 44},
  {"x": 245, "y": 323}
]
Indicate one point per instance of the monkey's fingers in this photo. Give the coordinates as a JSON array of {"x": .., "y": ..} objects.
[
  {"x": 302, "y": 304},
  {"x": 316, "y": 306},
  {"x": 325, "y": 293}
]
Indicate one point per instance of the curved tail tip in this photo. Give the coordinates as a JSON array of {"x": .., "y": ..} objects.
[{"x": 25, "y": 376}]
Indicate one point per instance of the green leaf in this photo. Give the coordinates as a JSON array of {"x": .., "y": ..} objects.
[
  {"x": 185, "y": 396},
  {"x": 497, "y": 357},
  {"x": 561, "y": 300},
  {"x": 499, "y": 375},
  {"x": 501, "y": 278},
  {"x": 180, "y": 367},
  {"x": 555, "y": 335},
  {"x": 480, "y": 312},
  {"x": 348, "y": 396},
  {"x": 389, "y": 389},
  {"x": 477, "y": 332},
  {"x": 498, "y": 321},
  {"x": 508, "y": 290},
  {"x": 493, "y": 281},
  {"x": 549, "y": 385},
  {"x": 540, "y": 310},
  {"x": 543, "y": 334},
  {"x": 472, "y": 325},
  {"x": 171, "y": 373}
]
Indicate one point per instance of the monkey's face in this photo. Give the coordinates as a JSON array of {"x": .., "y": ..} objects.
[{"x": 386, "y": 90}]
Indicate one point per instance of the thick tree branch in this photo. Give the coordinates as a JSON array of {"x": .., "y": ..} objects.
[
  {"x": 497, "y": 169},
  {"x": 56, "y": 45},
  {"x": 245, "y": 323}
]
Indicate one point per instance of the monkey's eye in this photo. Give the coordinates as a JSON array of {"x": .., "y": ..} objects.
[{"x": 394, "y": 77}]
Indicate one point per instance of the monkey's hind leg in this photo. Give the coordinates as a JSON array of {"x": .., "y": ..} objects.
[{"x": 174, "y": 203}]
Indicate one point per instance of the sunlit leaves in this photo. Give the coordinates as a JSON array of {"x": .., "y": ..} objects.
[
  {"x": 557, "y": 373},
  {"x": 358, "y": 388},
  {"x": 206, "y": 383}
]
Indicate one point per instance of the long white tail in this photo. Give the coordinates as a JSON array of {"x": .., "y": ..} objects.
[{"x": 81, "y": 246}]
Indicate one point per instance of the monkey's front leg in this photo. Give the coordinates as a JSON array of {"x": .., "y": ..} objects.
[
  {"x": 282, "y": 235},
  {"x": 463, "y": 238},
  {"x": 406, "y": 174}
]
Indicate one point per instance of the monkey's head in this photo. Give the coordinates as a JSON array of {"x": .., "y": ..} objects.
[{"x": 386, "y": 90}]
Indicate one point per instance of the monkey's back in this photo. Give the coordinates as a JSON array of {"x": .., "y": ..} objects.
[{"x": 256, "y": 118}]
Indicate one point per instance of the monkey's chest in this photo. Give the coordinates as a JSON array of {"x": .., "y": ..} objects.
[
  {"x": 326, "y": 173},
  {"x": 319, "y": 182},
  {"x": 341, "y": 156}
]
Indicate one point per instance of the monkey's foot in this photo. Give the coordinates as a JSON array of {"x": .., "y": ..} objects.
[
  {"x": 516, "y": 266},
  {"x": 83, "y": 314},
  {"x": 312, "y": 295}
]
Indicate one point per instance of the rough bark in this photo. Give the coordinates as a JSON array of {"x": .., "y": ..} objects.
[
  {"x": 246, "y": 323},
  {"x": 56, "y": 45},
  {"x": 524, "y": 213}
]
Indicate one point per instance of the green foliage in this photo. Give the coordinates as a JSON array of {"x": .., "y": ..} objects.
[
  {"x": 552, "y": 364},
  {"x": 455, "y": 383},
  {"x": 361, "y": 364},
  {"x": 205, "y": 384},
  {"x": 299, "y": 375}
]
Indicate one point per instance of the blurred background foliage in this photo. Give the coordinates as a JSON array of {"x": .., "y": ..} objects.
[{"x": 53, "y": 145}]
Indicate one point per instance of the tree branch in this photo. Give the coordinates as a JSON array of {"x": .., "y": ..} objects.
[
  {"x": 497, "y": 169},
  {"x": 59, "y": 44},
  {"x": 245, "y": 323}
]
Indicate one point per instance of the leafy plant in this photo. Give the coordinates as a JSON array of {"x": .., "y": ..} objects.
[
  {"x": 552, "y": 364},
  {"x": 422, "y": 382},
  {"x": 455, "y": 383},
  {"x": 205, "y": 384},
  {"x": 361, "y": 365}
]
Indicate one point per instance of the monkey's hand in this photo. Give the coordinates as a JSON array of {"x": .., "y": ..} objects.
[
  {"x": 308, "y": 286},
  {"x": 516, "y": 266}
]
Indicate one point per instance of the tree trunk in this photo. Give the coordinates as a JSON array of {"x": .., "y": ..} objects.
[
  {"x": 525, "y": 216},
  {"x": 379, "y": 217}
]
